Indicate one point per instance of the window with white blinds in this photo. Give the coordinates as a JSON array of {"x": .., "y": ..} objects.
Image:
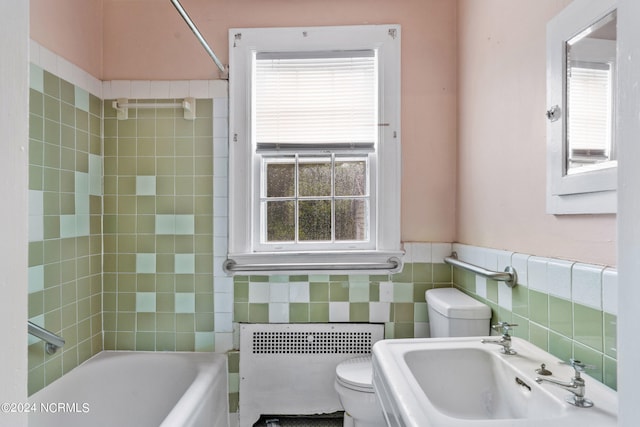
[
  {"x": 314, "y": 152},
  {"x": 589, "y": 127},
  {"x": 319, "y": 98}
]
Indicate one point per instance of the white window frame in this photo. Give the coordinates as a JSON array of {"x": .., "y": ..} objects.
[{"x": 244, "y": 164}]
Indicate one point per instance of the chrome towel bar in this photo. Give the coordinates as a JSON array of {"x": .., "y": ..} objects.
[
  {"x": 393, "y": 265},
  {"x": 509, "y": 276},
  {"x": 53, "y": 341}
]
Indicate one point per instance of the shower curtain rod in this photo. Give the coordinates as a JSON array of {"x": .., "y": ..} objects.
[{"x": 198, "y": 35}]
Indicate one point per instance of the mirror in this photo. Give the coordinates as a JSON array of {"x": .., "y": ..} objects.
[
  {"x": 590, "y": 89},
  {"x": 581, "y": 97}
]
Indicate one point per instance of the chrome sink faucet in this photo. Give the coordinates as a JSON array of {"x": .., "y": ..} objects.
[
  {"x": 505, "y": 340},
  {"x": 576, "y": 385}
]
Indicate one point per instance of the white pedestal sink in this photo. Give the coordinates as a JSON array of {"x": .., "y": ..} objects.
[{"x": 450, "y": 382}]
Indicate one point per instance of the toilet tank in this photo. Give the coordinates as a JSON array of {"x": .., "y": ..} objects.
[{"x": 455, "y": 314}]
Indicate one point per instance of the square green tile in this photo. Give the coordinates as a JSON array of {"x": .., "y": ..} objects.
[
  {"x": 319, "y": 312},
  {"x": 560, "y": 346},
  {"x": 539, "y": 336},
  {"x": 299, "y": 312},
  {"x": 359, "y": 312},
  {"x": 338, "y": 291},
  {"x": 561, "y": 316},
  {"x": 538, "y": 307},
  {"x": 588, "y": 326},
  {"x": 259, "y": 313}
]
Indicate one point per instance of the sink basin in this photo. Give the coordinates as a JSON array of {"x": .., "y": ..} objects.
[{"x": 462, "y": 382}]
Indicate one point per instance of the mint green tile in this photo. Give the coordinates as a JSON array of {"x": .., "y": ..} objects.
[
  {"x": 185, "y": 224},
  {"x": 185, "y": 263},
  {"x": 146, "y": 185},
  {"x": 81, "y": 98},
  {"x": 36, "y": 78},
  {"x": 538, "y": 307},
  {"x": 539, "y": 336},
  {"x": 560, "y": 346},
  {"x": 610, "y": 372},
  {"x": 205, "y": 341},
  {"x": 561, "y": 316},
  {"x": 403, "y": 292},
  {"x": 522, "y": 330},
  {"x": 610, "y": 335},
  {"x": 588, "y": 326},
  {"x": 420, "y": 312},
  {"x": 359, "y": 312},
  {"x": 520, "y": 301},
  {"x": 145, "y": 263},
  {"x": 358, "y": 292},
  {"x": 185, "y": 302},
  {"x": 145, "y": 302},
  {"x": 589, "y": 356}
]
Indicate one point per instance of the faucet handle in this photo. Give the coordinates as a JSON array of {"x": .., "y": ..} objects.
[
  {"x": 578, "y": 366},
  {"x": 503, "y": 327}
]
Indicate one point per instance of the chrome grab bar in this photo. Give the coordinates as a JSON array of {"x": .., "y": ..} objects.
[
  {"x": 393, "y": 264},
  {"x": 53, "y": 341},
  {"x": 510, "y": 277}
]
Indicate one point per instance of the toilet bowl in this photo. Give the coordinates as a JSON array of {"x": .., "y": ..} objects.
[{"x": 354, "y": 384}]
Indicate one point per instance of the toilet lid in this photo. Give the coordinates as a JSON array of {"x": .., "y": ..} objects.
[{"x": 356, "y": 373}]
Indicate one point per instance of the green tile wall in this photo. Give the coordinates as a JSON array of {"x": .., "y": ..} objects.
[
  {"x": 158, "y": 229},
  {"x": 564, "y": 328},
  {"x": 65, "y": 242}
]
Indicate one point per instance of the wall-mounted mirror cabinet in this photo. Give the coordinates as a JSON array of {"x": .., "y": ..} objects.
[{"x": 581, "y": 98}]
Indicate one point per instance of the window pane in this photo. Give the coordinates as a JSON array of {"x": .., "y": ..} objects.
[
  {"x": 351, "y": 179},
  {"x": 281, "y": 222},
  {"x": 351, "y": 219},
  {"x": 315, "y": 179},
  {"x": 314, "y": 220},
  {"x": 280, "y": 179}
]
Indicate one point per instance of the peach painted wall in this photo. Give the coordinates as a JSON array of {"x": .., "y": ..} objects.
[
  {"x": 501, "y": 137},
  {"x": 147, "y": 40},
  {"x": 70, "y": 28}
]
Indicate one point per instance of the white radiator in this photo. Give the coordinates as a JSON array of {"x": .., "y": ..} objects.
[{"x": 289, "y": 369}]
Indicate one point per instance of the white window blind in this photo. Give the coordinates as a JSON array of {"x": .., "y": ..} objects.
[
  {"x": 590, "y": 108},
  {"x": 319, "y": 98}
]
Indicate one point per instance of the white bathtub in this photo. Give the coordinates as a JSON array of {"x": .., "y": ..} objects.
[{"x": 137, "y": 389}]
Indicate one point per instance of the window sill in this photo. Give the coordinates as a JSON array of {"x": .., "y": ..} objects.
[{"x": 334, "y": 262}]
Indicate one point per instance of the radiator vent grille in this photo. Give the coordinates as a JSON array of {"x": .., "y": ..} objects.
[{"x": 312, "y": 342}]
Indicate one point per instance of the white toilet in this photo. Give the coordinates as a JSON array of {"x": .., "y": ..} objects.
[
  {"x": 455, "y": 314},
  {"x": 451, "y": 314},
  {"x": 354, "y": 384}
]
